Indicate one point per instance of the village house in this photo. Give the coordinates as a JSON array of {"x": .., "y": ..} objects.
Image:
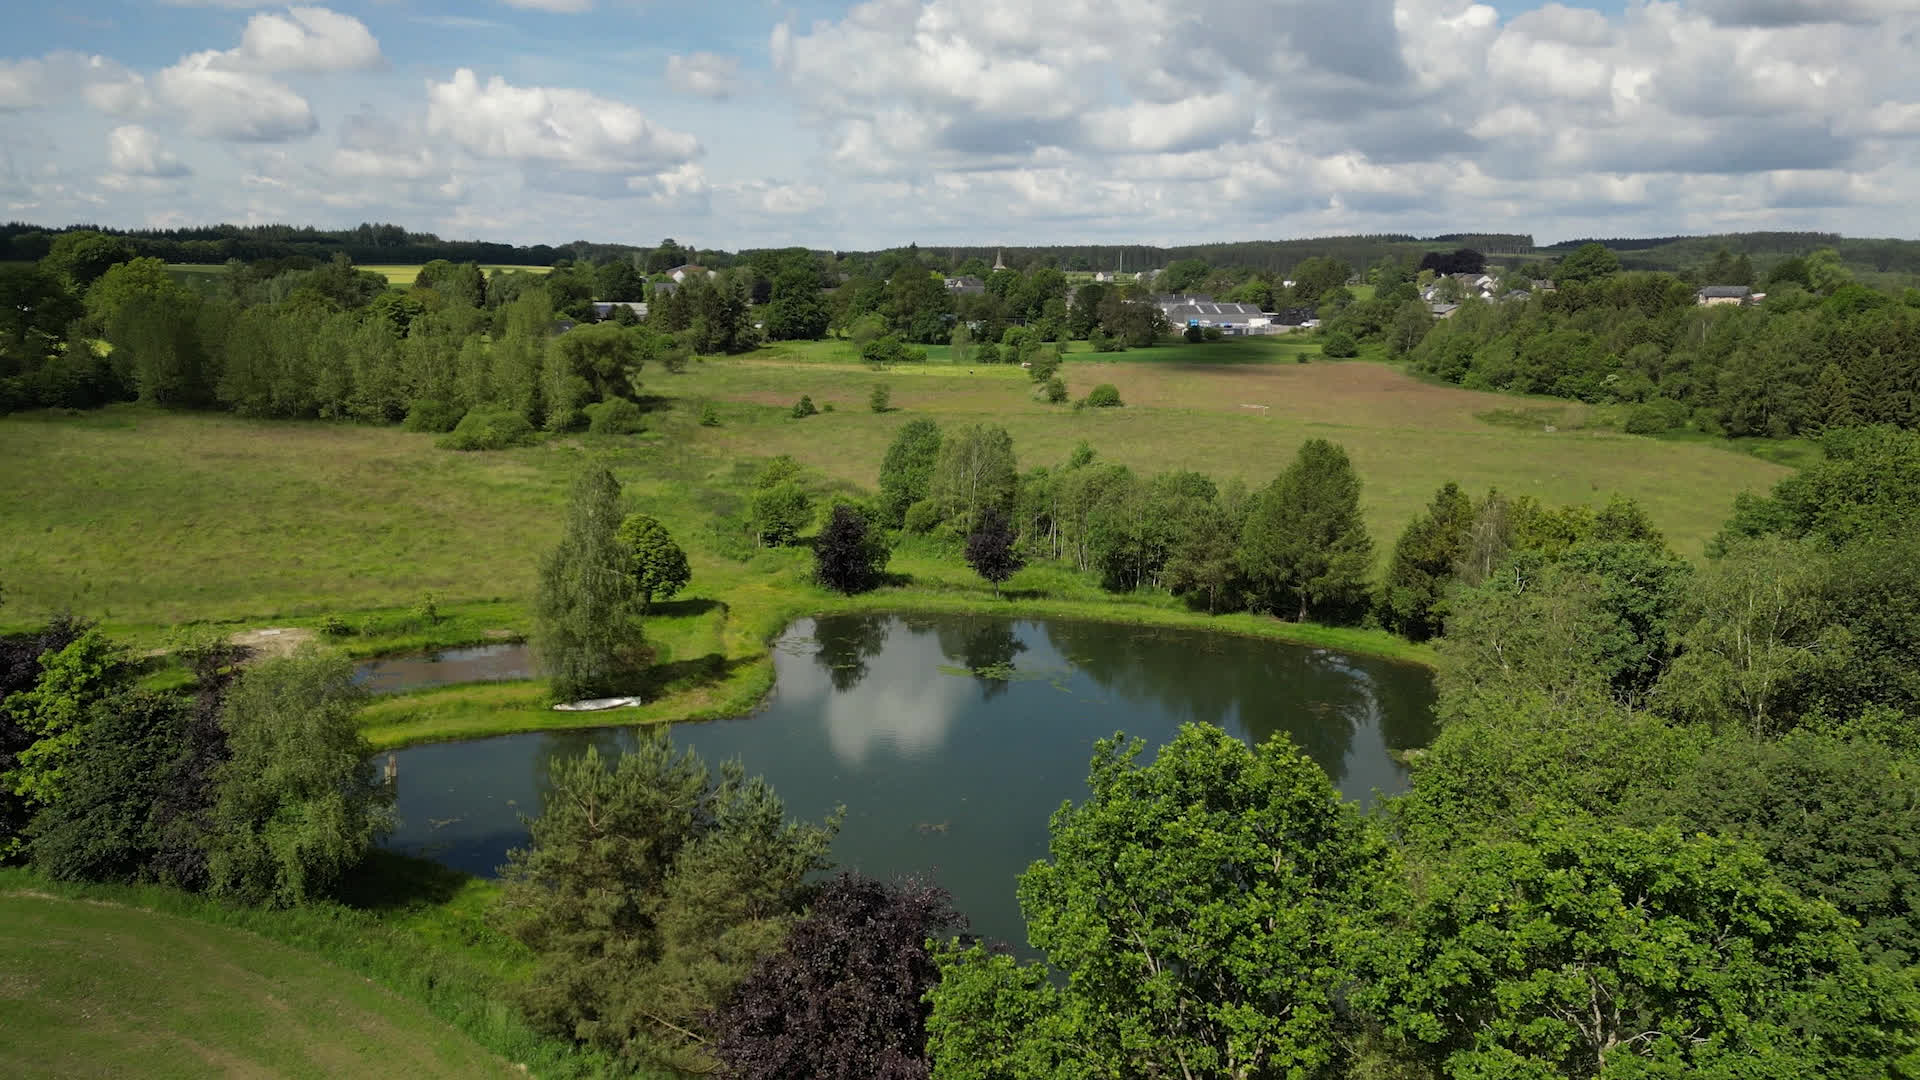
[
  {"x": 1716, "y": 295},
  {"x": 683, "y": 272},
  {"x": 966, "y": 285},
  {"x": 603, "y": 309},
  {"x": 1204, "y": 312}
]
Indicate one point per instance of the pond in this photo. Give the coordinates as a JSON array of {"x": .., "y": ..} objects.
[
  {"x": 951, "y": 739},
  {"x": 474, "y": 663}
]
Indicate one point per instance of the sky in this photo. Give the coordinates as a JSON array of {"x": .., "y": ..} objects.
[{"x": 753, "y": 123}]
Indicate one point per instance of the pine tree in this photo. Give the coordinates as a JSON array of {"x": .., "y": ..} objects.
[
  {"x": 587, "y": 633},
  {"x": 1411, "y": 599},
  {"x": 1305, "y": 544}
]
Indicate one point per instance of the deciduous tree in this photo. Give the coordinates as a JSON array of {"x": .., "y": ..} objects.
[
  {"x": 659, "y": 566},
  {"x": 991, "y": 551},
  {"x": 586, "y": 628},
  {"x": 1304, "y": 544}
]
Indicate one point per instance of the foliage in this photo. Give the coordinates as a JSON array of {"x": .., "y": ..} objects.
[
  {"x": 1586, "y": 263},
  {"x": 298, "y": 803},
  {"x": 615, "y": 416},
  {"x": 1867, "y": 485},
  {"x": 850, "y": 553},
  {"x": 906, "y": 472},
  {"x": 1104, "y": 396},
  {"x": 1304, "y": 540},
  {"x": 844, "y": 996},
  {"x": 103, "y": 826},
  {"x": 974, "y": 470},
  {"x": 1610, "y": 952},
  {"x": 647, "y": 890},
  {"x": 586, "y": 631},
  {"x": 804, "y": 407},
  {"x": 658, "y": 565},
  {"x": 432, "y": 414},
  {"x": 1340, "y": 346},
  {"x": 990, "y": 549},
  {"x": 1205, "y": 561},
  {"x": 797, "y": 309},
  {"x": 1198, "y": 907},
  {"x": 1412, "y": 599},
  {"x": 709, "y": 416},
  {"x": 780, "y": 513},
  {"x": 881, "y": 399},
  {"x": 53, "y": 714},
  {"x": 485, "y": 429}
]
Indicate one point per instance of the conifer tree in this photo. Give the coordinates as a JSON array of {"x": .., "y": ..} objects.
[
  {"x": 1304, "y": 544},
  {"x": 587, "y": 632}
]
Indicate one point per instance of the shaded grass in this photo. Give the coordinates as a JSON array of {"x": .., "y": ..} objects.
[{"x": 197, "y": 989}]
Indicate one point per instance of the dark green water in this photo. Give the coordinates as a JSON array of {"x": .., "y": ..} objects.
[{"x": 947, "y": 771}]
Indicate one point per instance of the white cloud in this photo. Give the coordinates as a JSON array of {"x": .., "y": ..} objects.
[
  {"x": 217, "y": 102},
  {"x": 569, "y": 129},
  {"x": 52, "y": 79},
  {"x": 307, "y": 39},
  {"x": 134, "y": 151},
  {"x": 558, "y": 7},
  {"x": 704, "y": 74}
]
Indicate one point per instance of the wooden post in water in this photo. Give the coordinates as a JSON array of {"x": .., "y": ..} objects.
[{"x": 393, "y": 769}]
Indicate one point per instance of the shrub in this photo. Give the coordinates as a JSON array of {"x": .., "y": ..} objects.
[
  {"x": 780, "y": 512},
  {"x": 922, "y": 517},
  {"x": 1340, "y": 345},
  {"x": 881, "y": 352},
  {"x": 828, "y": 407},
  {"x": 1656, "y": 416},
  {"x": 1301, "y": 357},
  {"x": 489, "y": 430},
  {"x": 1056, "y": 390},
  {"x": 1194, "y": 336},
  {"x": 803, "y": 407},
  {"x": 1046, "y": 363},
  {"x": 431, "y": 414},
  {"x": 1103, "y": 342},
  {"x": 881, "y": 399},
  {"x": 335, "y": 626},
  {"x": 987, "y": 352},
  {"x": 850, "y": 553},
  {"x": 1212, "y": 333},
  {"x": 615, "y": 416},
  {"x": 427, "y": 610},
  {"x": 1104, "y": 396},
  {"x": 709, "y": 416}
]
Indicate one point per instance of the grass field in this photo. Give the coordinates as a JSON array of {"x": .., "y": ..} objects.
[
  {"x": 89, "y": 988},
  {"x": 147, "y": 519}
]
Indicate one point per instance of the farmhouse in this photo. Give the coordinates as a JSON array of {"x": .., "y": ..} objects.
[
  {"x": 966, "y": 285},
  {"x": 685, "y": 271},
  {"x": 1231, "y": 318},
  {"x": 602, "y": 309},
  {"x": 1716, "y": 295}
]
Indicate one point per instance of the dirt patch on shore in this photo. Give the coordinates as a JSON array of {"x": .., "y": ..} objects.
[{"x": 273, "y": 640}]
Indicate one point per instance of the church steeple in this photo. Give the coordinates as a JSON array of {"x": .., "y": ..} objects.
[{"x": 998, "y": 262}]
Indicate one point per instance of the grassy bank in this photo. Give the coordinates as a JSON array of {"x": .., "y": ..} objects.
[{"x": 403, "y": 978}]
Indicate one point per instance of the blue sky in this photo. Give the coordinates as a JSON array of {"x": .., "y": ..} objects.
[{"x": 965, "y": 121}]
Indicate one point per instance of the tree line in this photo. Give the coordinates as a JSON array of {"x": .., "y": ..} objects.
[{"x": 1821, "y": 352}]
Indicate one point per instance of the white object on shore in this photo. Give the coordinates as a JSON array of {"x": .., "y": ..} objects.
[{"x": 598, "y": 704}]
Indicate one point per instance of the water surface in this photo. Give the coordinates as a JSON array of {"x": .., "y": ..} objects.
[
  {"x": 475, "y": 663},
  {"x": 951, "y": 739}
]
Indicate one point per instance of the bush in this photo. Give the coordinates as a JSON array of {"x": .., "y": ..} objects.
[
  {"x": 881, "y": 399},
  {"x": 1104, "y": 396},
  {"x": 803, "y": 407},
  {"x": 1340, "y": 345},
  {"x": 430, "y": 414},
  {"x": 1102, "y": 342},
  {"x": 335, "y": 626},
  {"x": 427, "y": 610},
  {"x": 615, "y": 416},
  {"x": 1212, "y": 333},
  {"x": 881, "y": 352},
  {"x": 1046, "y": 363},
  {"x": 828, "y": 407},
  {"x": 987, "y": 352},
  {"x": 922, "y": 517},
  {"x": 709, "y": 416},
  {"x": 1301, "y": 357},
  {"x": 1655, "y": 417},
  {"x": 1194, "y": 336},
  {"x": 1056, "y": 390},
  {"x": 489, "y": 430}
]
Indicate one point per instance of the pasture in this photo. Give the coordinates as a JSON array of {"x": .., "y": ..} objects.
[
  {"x": 100, "y": 989},
  {"x": 149, "y": 518},
  {"x": 396, "y": 275}
]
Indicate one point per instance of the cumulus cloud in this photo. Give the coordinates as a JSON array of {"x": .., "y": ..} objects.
[
  {"x": 1799, "y": 12},
  {"x": 216, "y": 101},
  {"x": 704, "y": 74},
  {"x": 134, "y": 151},
  {"x": 60, "y": 76},
  {"x": 558, "y": 7},
  {"x": 565, "y": 128},
  {"x": 306, "y": 39}
]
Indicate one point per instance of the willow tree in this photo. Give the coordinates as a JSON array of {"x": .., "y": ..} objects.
[{"x": 587, "y": 630}]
